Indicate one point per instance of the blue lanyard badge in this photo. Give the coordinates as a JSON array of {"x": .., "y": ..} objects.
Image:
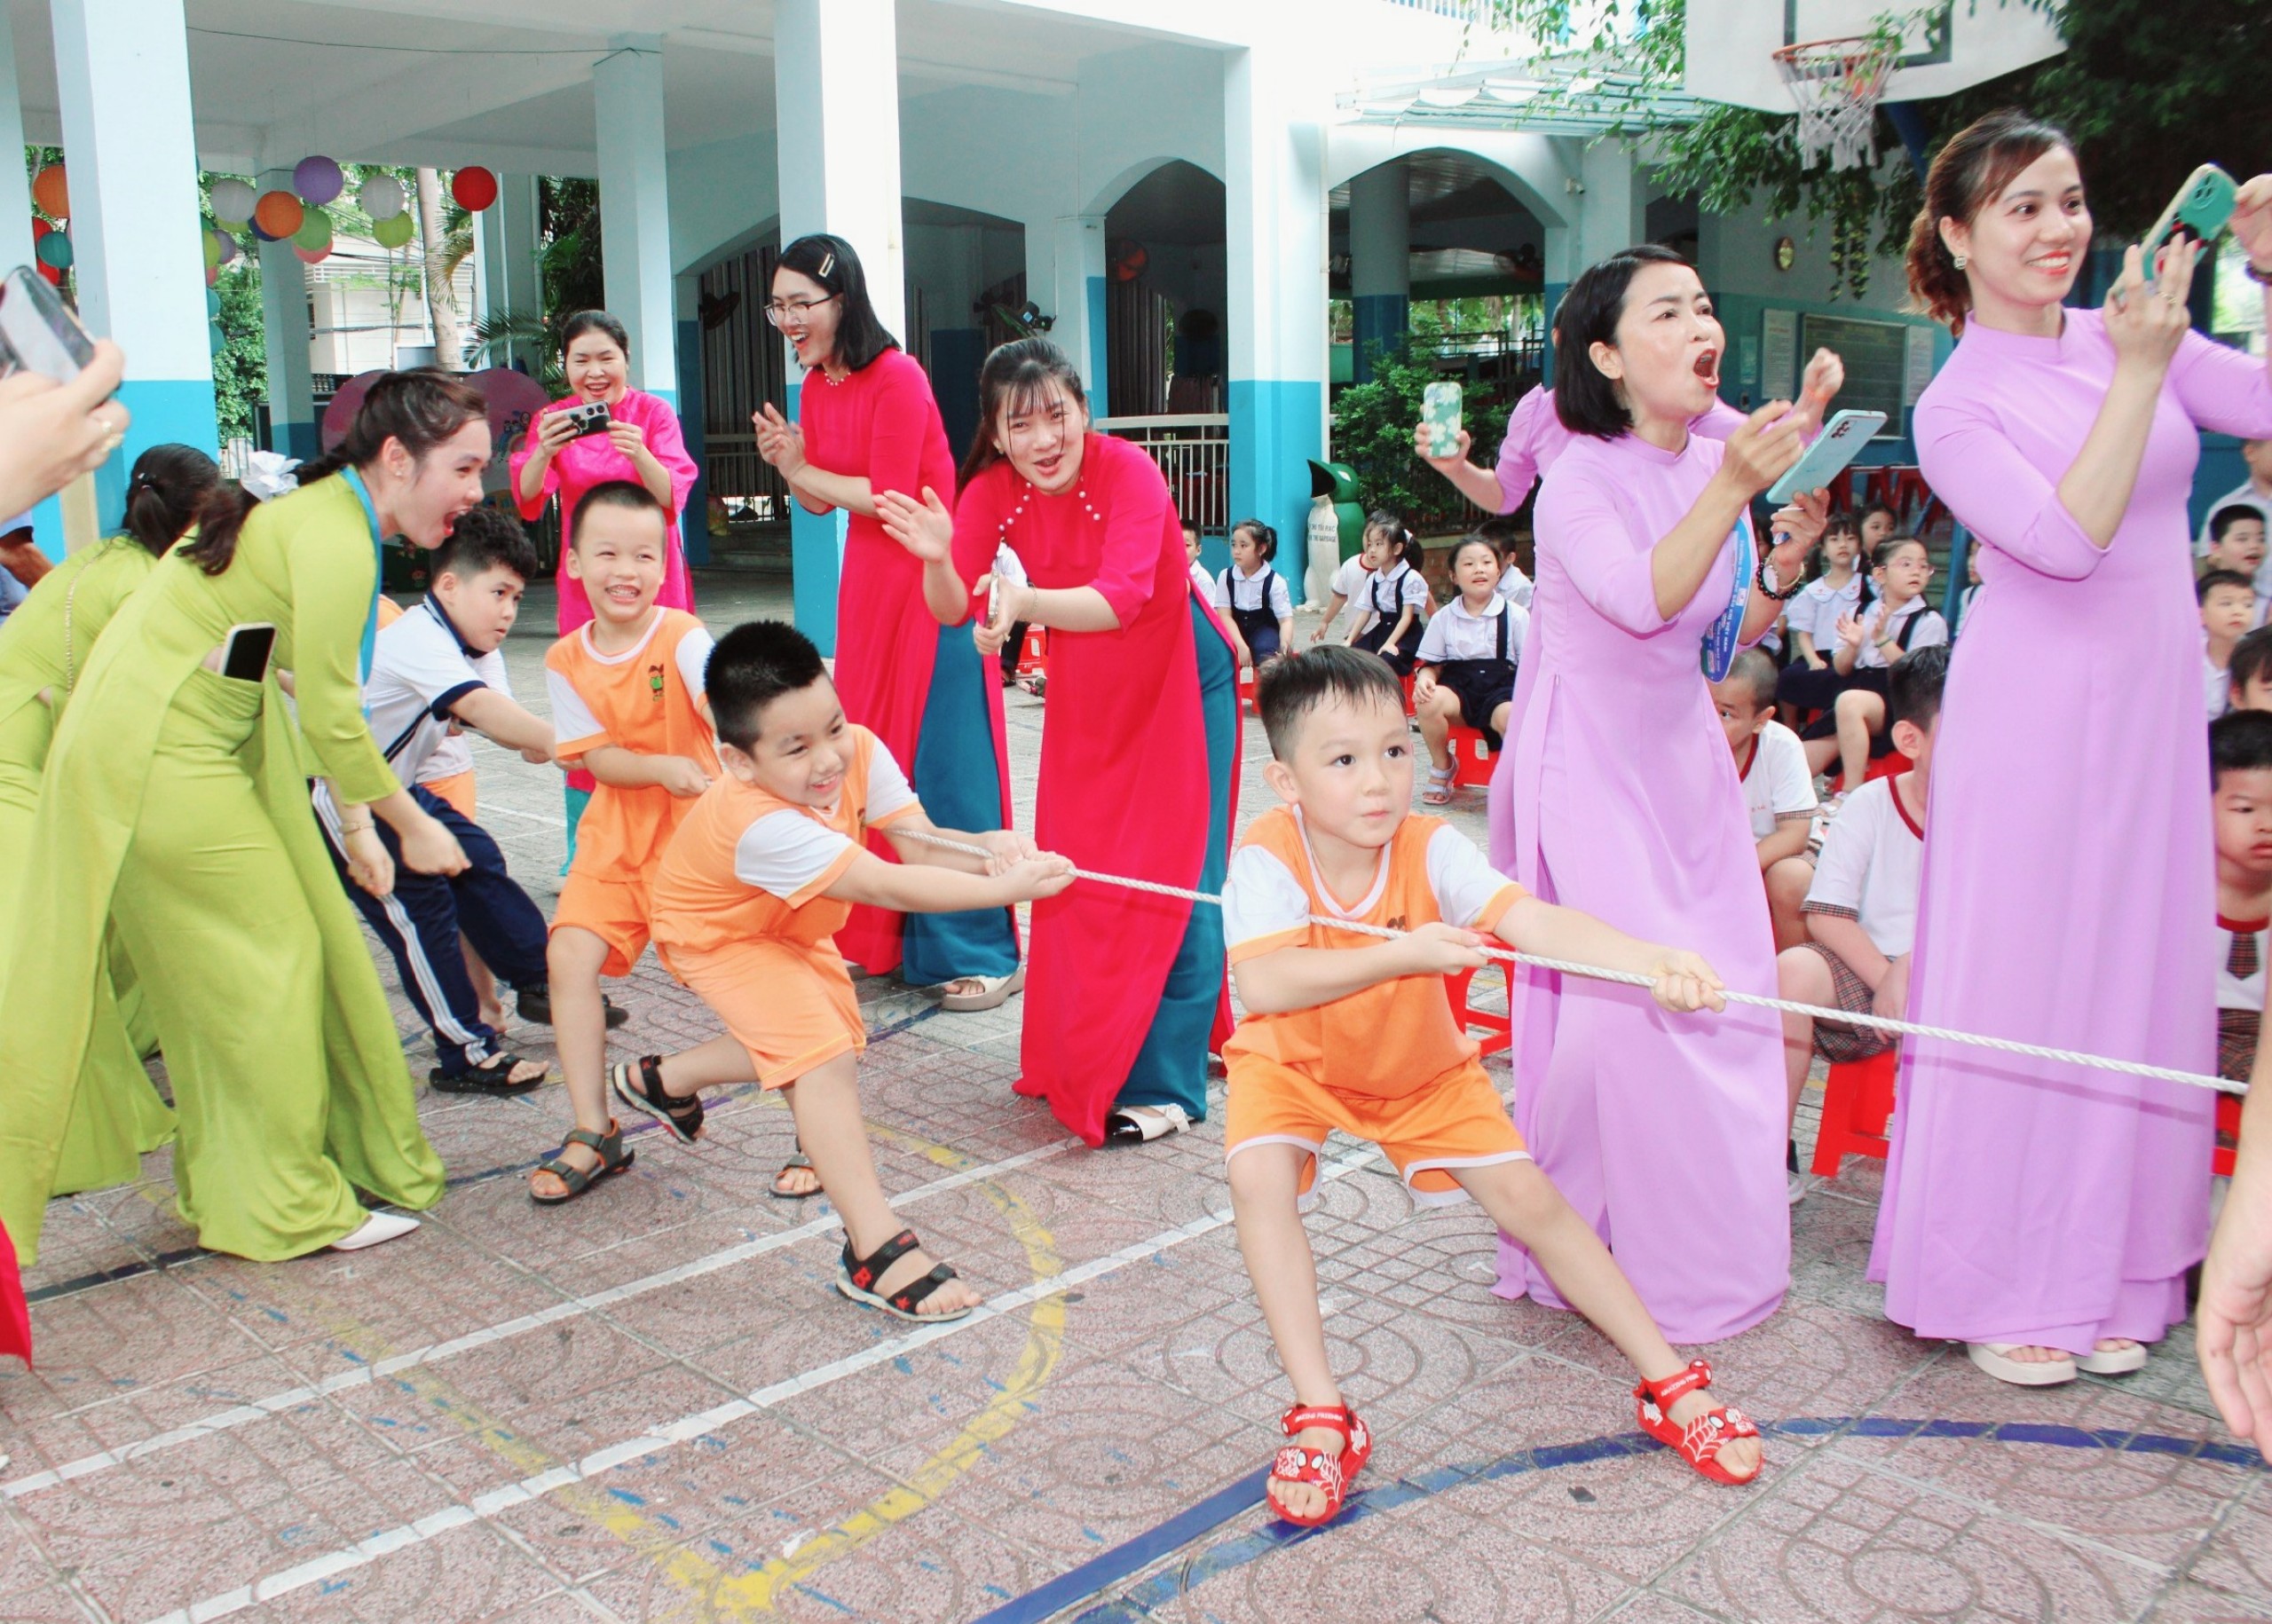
[
  {"x": 1720, "y": 641},
  {"x": 379, "y": 554}
]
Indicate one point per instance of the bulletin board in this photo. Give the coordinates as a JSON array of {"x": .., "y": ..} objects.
[{"x": 1876, "y": 356}]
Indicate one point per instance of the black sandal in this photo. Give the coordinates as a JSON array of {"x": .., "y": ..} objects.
[
  {"x": 493, "y": 1077},
  {"x": 639, "y": 1084},
  {"x": 613, "y": 1159},
  {"x": 858, "y": 1274},
  {"x": 800, "y": 1160}
]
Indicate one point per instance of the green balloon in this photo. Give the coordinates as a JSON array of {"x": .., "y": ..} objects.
[
  {"x": 393, "y": 232},
  {"x": 215, "y": 337},
  {"x": 315, "y": 232},
  {"x": 212, "y": 251},
  {"x": 212, "y": 305},
  {"x": 55, "y": 249}
]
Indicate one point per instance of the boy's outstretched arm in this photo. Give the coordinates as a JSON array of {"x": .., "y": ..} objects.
[
  {"x": 1004, "y": 846},
  {"x": 1684, "y": 980},
  {"x": 498, "y": 716},
  {"x": 1296, "y": 978},
  {"x": 927, "y": 889}
]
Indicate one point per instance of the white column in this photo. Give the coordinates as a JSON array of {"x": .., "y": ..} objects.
[
  {"x": 292, "y": 426},
  {"x": 506, "y": 281},
  {"x": 1275, "y": 146},
  {"x": 1612, "y": 212},
  {"x": 1079, "y": 308},
  {"x": 15, "y": 184},
  {"x": 121, "y": 69},
  {"x": 836, "y": 101},
  {"x": 635, "y": 199}
]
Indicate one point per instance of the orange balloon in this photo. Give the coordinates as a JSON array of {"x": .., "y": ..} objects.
[
  {"x": 51, "y": 191},
  {"x": 279, "y": 214}
]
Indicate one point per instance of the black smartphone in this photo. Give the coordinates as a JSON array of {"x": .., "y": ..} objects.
[
  {"x": 591, "y": 418},
  {"x": 244, "y": 657}
]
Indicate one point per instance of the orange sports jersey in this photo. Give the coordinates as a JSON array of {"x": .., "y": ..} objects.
[
  {"x": 643, "y": 700},
  {"x": 746, "y": 864},
  {"x": 1389, "y": 1039}
]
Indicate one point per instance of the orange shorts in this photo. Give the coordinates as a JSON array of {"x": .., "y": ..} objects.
[
  {"x": 1457, "y": 1120},
  {"x": 458, "y": 791},
  {"x": 615, "y": 910},
  {"x": 792, "y": 1007}
]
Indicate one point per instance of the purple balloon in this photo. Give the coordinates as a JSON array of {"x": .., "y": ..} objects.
[{"x": 318, "y": 180}]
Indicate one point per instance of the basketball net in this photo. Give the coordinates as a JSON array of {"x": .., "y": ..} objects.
[{"x": 1836, "y": 83}]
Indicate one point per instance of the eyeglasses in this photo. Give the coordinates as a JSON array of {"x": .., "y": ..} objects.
[{"x": 778, "y": 310}]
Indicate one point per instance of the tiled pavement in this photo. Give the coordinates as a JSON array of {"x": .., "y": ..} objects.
[{"x": 651, "y": 1406}]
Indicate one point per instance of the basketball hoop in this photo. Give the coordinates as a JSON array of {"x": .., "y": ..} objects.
[{"x": 1836, "y": 83}]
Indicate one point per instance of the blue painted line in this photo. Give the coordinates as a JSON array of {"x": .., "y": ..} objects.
[{"x": 1079, "y": 1584}]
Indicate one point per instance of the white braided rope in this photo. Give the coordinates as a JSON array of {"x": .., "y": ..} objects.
[{"x": 1837, "y": 1017}]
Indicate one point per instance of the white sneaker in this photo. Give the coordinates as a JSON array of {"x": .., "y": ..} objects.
[{"x": 379, "y": 1226}]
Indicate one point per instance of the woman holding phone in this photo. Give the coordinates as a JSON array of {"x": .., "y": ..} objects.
[
  {"x": 2044, "y": 1214},
  {"x": 175, "y": 808},
  {"x": 603, "y": 430},
  {"x": 1665, "y": 1131},
  {"x": 867, "y": 424}
]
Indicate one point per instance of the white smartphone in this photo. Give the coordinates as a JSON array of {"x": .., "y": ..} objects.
[
  {"x": 36, "y": 333},
  {"x": 1840, "y": 441}
]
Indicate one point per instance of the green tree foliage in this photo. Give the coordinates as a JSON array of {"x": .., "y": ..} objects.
[{"x": 1372, "y": 432}]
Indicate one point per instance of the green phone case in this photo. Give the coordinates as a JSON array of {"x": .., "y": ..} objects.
[{"x": 2203, "y": 206}]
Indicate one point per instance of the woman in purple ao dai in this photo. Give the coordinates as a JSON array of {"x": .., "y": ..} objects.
[
  {"x": 2046, "y": 1214},
  {"x": 1663, "y": 1132}
]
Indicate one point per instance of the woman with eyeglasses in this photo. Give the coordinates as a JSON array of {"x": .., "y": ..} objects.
[
  {"x": 867, "y": 423},
  {"x": 576, "y": 446}
]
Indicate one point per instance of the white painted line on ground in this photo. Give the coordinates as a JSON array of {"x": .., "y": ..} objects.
[
  {"x": 669, "y": 1435},
  {"x": 364, "y": 1375}
]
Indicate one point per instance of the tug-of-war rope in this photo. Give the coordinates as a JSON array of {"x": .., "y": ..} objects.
[{"x": 1836, "y": 1017}]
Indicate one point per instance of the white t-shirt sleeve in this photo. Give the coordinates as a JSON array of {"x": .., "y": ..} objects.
[
  {"x": 1349, "y": 580},
  {"x": 422, "y": 656},
  {"x": 784, "y": 853},
  {"x": 694, "y": 660},
  {"x": 1261, "y": 901},
  {"x": 1517, "y": 630},
  {"x": 490, "y": 668},
  {"x": 1219, "y": 591},
  {"x": 1931, "y": 629},
  {"x": 1464, "y": 882},
  {"x": 1434, "y": 642},
  {"x": 1845, "y": 865},
  {"x": 1790, "y": 787},
  {"x": 1281, "y": 600},
  {"x": 1412, "y": 587},
  {"x": 573, "y": 720},
  {"x": 888, "y": 792},
  {"x": 1515, "y": 586}
]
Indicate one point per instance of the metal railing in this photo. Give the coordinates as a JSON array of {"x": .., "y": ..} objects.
[
  {"x": 752, "y": 492},
  {"x": 1192, "y": 449}
]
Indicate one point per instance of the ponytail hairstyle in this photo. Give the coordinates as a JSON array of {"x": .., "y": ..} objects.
[
  {"x": 830, "y": 261},
  {"x": 422, "y": 408},
  {"x": 168, "y": 486},
  {"x": 1018, "y": 377},
  {"x": 1390, "y": 523},
  {"x": 1978, "y": 163},
  {"x": 1265, "y": 540}
]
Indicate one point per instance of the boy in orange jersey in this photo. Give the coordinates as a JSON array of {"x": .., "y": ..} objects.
[
  {"x": 1350, "y": 1031},
  {"x": 627, "y": 706},
  {"x": 762, "y": 876}
]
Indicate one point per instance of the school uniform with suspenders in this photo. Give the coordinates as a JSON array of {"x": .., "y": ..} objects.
[
  {"x": 1483, "y": 682},
  {"x": 1400, "y": 581},
  {"x": 1258, "y": 626}
]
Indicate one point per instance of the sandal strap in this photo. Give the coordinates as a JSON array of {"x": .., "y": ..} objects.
[
  {"x": 606, "y": 1144},
  {"x": 910, "y": 1297},
  {"x": 648, "y": 1075},
  {"x": 1666, "y": 1393},
  {"x": 576, "y": 1179},
  {"x": 1295, "y": 1464},
  {"x": 1335, "y": 1416},
  {"x": 865, "y": 1272}
]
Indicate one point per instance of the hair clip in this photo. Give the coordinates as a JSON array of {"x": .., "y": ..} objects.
[{"x": 827, "y": 262}]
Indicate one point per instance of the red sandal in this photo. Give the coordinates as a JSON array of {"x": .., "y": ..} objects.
[
  {"x": 1698, "y": 1442},
  {"x": 1334, "y": 1473}
]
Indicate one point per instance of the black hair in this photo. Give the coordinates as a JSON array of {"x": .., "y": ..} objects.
[
  {"x": 2239, "y": 742},
  {"x": 1264, "y": 537},
  {"x": 1974, "y": 164},
  {"x": 753, "y": 666},
  {"x": 830, "y": 261},
  {"x": 626, "y": 493},
  {"x": 168, "y": 486},
  {"x": 1754, "y": 671},
  {"x": 1845, "y": 521},
  {"x": 1862, "y": 514},
  {"x": 2214, "y": 578},
  {"x": 1402, "y": 543},
  {"x": 1886, "y": 551},
  {"x": 1913, "y": 687},
  {"x": 484, "y": 538},
  {"x": 1015, "y": 378},
  {"x": 422, "y": 408},
  {"x": 1187, "y": 525},
  {"x": 1585, "y": 398},
  {"x": 2231, "y": 513},
  {"x": 1293, "y": 685},
  {"x": 594, "y": 322},
  {"x": 1476, "y": 538},
  {"x": 2252, "y": 660}
]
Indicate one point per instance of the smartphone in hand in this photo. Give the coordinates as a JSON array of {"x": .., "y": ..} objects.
[
  {"x": 36, "y": 333},
  {"x": 1439, "y": 414}
]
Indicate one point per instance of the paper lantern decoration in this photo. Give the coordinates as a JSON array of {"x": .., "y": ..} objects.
[
  {"x": 212, "y": 274},
  {"x": 474, "y": 188},
  {"x": 55, "y": 249},
  {"x": 213, "y": 241},
  {"x": 393, "y": 231},
  {"x": 311, "y": 256},
  {"x": 51, "y": 191},
  {"x": 318, "y": 180},
  {"x": 381, "y": 197},
  {"x": 279, "y": 214},
  {"x": 212, "y": 306},
  {"x": 229, "y": 249},
  {"x": 233, "y": 201},
  {"x": 215, "y": 337},
  {"x": 314, "y": 233}
]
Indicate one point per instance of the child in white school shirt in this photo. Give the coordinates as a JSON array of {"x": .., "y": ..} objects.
[
  {"x": 1464, "y": 669},
  {"x": 1778, "y": 788}
]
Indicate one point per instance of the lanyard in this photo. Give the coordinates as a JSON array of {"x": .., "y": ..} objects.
[{"x": 379, "y": 555}]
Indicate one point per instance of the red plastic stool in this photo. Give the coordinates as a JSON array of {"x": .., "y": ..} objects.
[
  {"x": 1890, "y": 765},
  {"x": 1246, "y": 688},
  {"x": 1495, "y": 1031},
  {"x": 1407, "y": 680},
  {"x": 1855, "y": 1102},
  {"x": 2220, "y": 1159},
  {"x": 1033, "y": 655},
  {"x": 1472, "y": 758}
]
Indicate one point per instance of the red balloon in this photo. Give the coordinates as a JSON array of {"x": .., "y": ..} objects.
[{"x": 475, "y": 188}]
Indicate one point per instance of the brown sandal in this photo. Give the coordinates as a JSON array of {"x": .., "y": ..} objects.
[{"x": 613, "y": 1159}]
